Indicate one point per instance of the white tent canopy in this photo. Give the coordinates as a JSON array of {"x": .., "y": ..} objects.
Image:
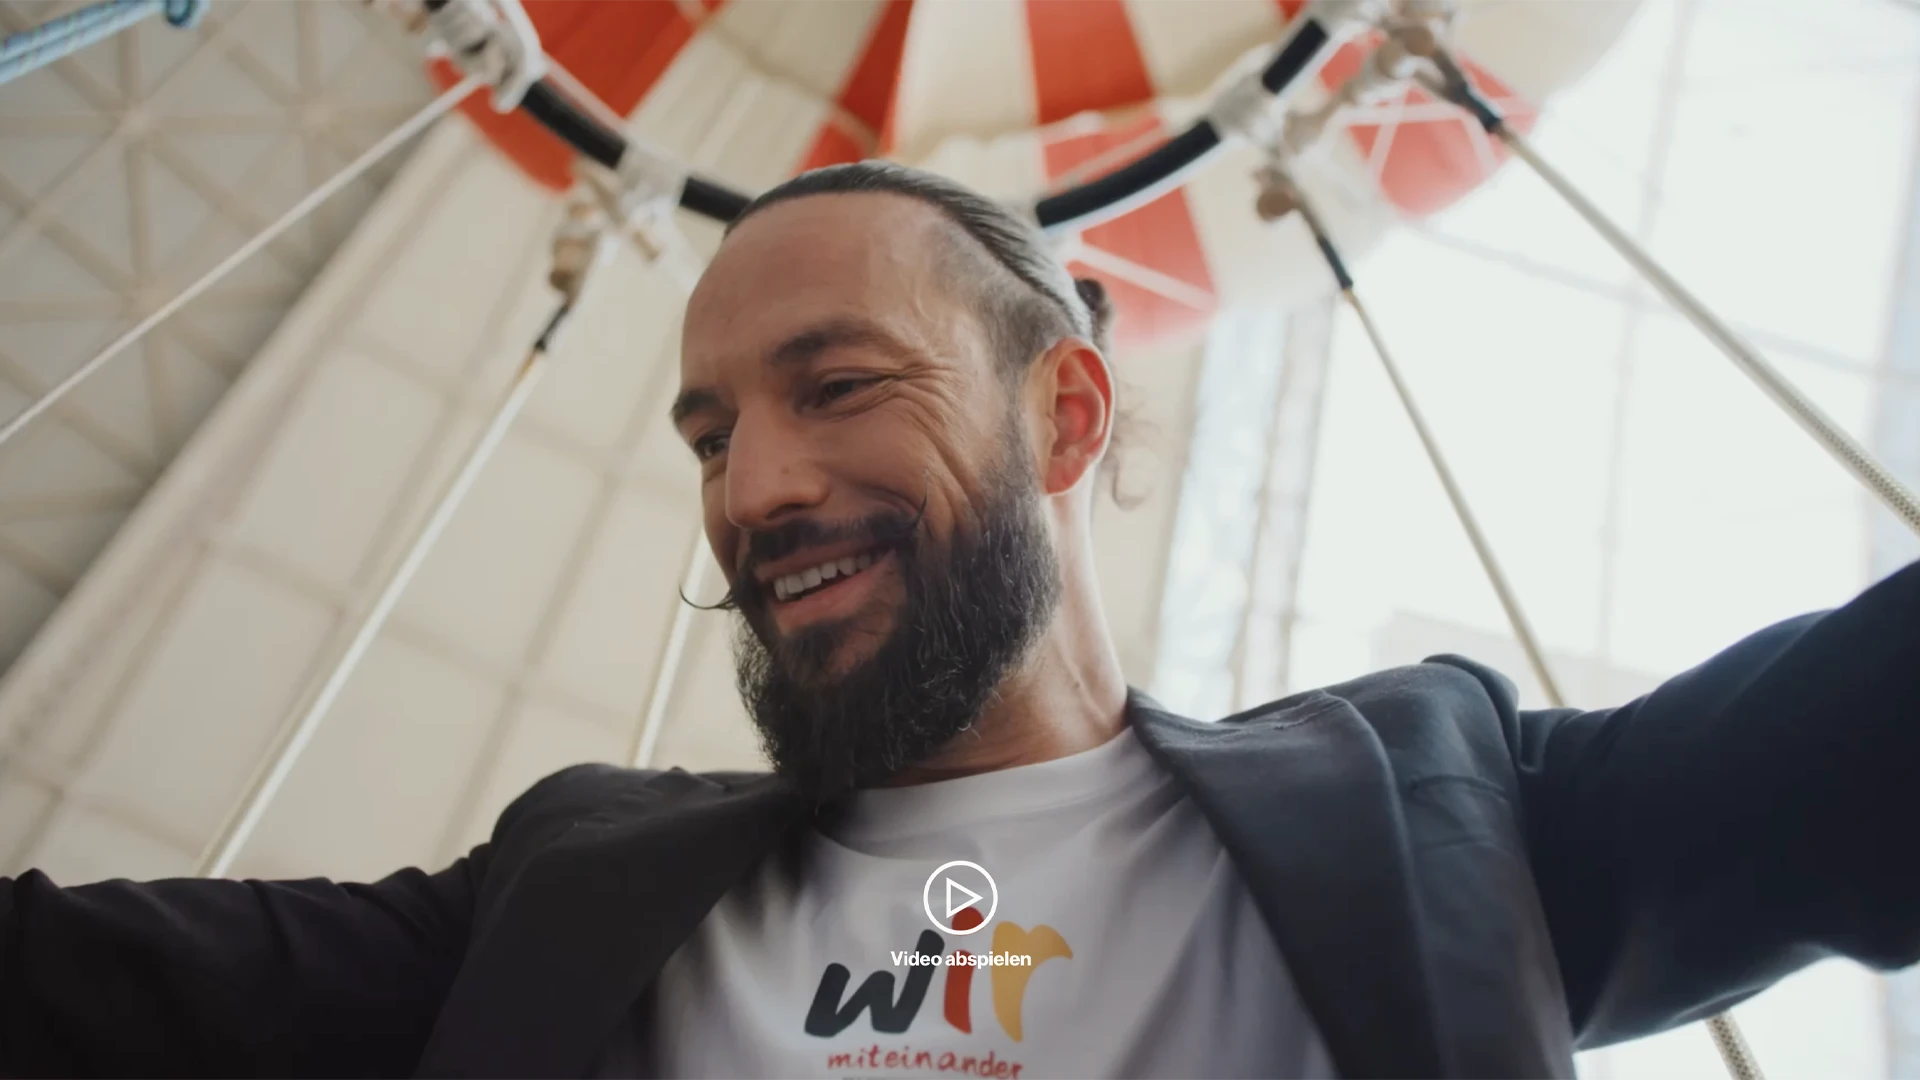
[{"x": 1650, "y": 505}]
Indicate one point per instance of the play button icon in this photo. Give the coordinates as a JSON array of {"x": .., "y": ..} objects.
[
  {"x": 962, "y": 889},
  {"x": 967, "y": 898}
]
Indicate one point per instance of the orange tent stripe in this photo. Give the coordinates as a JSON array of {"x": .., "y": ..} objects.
[
  {"x": 1084, "y": 56},
  {"x": 1160, "y": 235},
  {"x": 1141, "y": 316},
  {"x": 868, "y": 93}
]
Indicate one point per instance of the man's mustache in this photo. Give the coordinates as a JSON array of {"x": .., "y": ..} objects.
[
  {"x": 894, "y": 529},
  {"x": 880, "y": 528}
]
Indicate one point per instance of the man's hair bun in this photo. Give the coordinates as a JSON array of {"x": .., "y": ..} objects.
[{"x": 1100, "y": 307}]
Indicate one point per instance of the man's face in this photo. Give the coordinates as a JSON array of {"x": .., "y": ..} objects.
[{"x": 866, "y": 481}]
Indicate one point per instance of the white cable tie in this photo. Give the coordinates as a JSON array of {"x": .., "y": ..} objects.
[
  {"x": 650, "y": 182},
  {"x": 463, "y": 28},
  {"x": 493, "y": 46},
  {"x": 639, "y": 198},
  {"x": 527, "y": 61},
  {"x": 1247, "y": 111},
  {"x": 1301, "y": 130}
]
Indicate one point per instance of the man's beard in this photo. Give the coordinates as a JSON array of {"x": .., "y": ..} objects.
[{"x": 973, "y": 608}]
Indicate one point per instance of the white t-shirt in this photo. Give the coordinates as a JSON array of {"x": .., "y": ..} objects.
[{"x": 1148, "y": 955}]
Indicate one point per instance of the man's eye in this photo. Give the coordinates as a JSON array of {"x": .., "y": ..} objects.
[
  {"x": 834, "y": 389},
  {"x": 708, "y": 447}
]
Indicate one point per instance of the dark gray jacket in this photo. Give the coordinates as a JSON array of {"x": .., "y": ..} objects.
[{"x": 1459, "y": 886}]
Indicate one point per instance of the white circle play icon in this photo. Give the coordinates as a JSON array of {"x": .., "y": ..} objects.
[{"x": 953, "y": 888}]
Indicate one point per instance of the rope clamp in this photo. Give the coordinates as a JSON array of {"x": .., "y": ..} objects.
[
  {"x": 581, "y": 245},
  {"x": 1247, "y": 111},
  {"x": 641, "y": 196},
  {"x": 491, "y": 39}
]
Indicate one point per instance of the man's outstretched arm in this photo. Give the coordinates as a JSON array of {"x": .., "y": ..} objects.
[
  {"x": 214, "y": 977},
  {"x": 1744, "y": 819},
  {"x": 253, "y": 978}
]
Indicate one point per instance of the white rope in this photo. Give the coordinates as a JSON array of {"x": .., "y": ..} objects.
[
  {"x": 666, "y": 675},
  {"x": 1850, "y": 454},
  {"x": 1738, "y": 1057},
  {"x": 1502, "y": 588},
  {"x": 371, "y": 156},
  {"x": 1483, "y": 550},
  {"x": 578, "y": 247},
  {"x": 1734, "y": 1051},
  {"x": 657, "y": 238},
  {"x": 218, "y": 859}
]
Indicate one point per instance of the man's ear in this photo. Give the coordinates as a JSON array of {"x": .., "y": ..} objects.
[{"x": 1074, "y": 391}]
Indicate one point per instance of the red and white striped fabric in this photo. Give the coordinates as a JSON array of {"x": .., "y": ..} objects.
[{"x": 1019, "y": 97}]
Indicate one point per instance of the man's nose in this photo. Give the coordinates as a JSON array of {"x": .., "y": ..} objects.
[{"x": 770, "y": 477}]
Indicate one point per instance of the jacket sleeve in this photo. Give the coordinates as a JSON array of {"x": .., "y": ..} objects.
[
  {"x": 1742, "y": 820},
  {"x": 216, "y": 977},
  {"x": 249, "y": 978}
]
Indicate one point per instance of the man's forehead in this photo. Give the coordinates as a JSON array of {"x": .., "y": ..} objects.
[
  {"x": 867, "y": 255},
  {"x": 829, "y": 241}
]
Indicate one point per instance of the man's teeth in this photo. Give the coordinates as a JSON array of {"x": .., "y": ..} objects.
[{"x": 793, "y": 586}]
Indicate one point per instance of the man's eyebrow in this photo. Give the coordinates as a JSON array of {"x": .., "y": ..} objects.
[
  {"x": 801, "y": 348},
  {"x": 834, "y": 333},
  {"x": 693, "y": 401}
]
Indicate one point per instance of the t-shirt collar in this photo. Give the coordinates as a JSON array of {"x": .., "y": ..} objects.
[{"x": 1117, "y": 765}]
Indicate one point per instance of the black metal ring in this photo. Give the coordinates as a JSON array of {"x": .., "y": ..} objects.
[{"x": 1165, "y": 167}]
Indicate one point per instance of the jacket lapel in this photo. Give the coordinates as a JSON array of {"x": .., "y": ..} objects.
[
  {"x": 1303, "y": 800},
  {"x": 1300, "y": 795},
  {"x": 589, "y": 922}
]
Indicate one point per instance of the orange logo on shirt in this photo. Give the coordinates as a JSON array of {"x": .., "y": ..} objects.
[
  {"x": 829, "y": 1016},
  {"x": 1042, "y": 943}
]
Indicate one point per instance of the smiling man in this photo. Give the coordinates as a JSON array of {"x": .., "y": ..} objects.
[
  {"x": 900, "y": 406},
  {"x": 896, "y": 444}
]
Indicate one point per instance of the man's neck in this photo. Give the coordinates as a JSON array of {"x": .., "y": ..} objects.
[{"x": 1070, "y": 697}]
